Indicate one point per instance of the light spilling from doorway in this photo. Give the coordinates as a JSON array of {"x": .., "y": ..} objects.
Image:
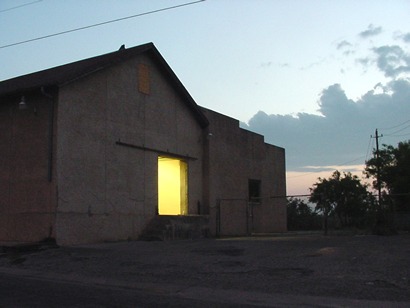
[{"x": 172, "y": 186}]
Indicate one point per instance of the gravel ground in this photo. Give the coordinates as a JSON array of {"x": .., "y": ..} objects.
[{"x": 349, "y": 267}]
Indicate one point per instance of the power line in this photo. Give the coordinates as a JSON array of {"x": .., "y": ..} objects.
[
  {"x": 368, "y": 147},
  {"x": 373, "y": 194},
  {"x": 351, "y": 161},
  {"x": 388, "y": 128},
  {"x": 301, "y": 175},
  {"x": 338, "y": 165},
  {"x": 19, "y": 6},
  {"x": 102, "y": 23},
  {"x": 397, "y": 131},
  {"x": 342, "y": 164},
  {"x": 403, "y": 135}
]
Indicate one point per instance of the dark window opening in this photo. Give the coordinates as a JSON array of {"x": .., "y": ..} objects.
[{"x": 255, "y": 191}]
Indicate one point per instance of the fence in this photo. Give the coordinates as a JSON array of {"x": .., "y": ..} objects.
[
  {"x": 393, "y": 211},
  {"x": 243, "y": 217}
]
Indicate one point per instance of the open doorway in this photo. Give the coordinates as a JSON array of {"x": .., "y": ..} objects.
[{"x": 172, "y": 186}]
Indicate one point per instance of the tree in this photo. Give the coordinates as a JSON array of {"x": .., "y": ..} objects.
[
  {"x": 393, "y": 165},
  {"x": 342, "y": 196},
  {"x": 301, "y": 216}
]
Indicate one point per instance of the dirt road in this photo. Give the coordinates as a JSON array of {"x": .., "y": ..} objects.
[{"x": 280, "y": 271}]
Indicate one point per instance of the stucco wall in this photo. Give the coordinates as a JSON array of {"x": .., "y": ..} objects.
[
  {"x": 108, "y": 191},
  {"x": 235, "y": 156},
  {"x": 27, "y": 197},
  {"x": 270, "y": 215}
]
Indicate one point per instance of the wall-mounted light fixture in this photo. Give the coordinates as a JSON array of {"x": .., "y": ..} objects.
[{"x": 23, "y": 104}]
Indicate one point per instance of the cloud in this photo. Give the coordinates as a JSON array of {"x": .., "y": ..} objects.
[
  {"x": 284, "y": 65},
  {"x": 266, "y": 64},
  {"x": 371, "y": 31},
  {"x": 299, "y": 182},
  {"x": 348, "y": 52},
  {"x": 392, "y": 60},
  {"x": 345, "y": 47},
  {"x": 313, "y": 64},
  {"x": 398, "y": 35},
  {"x": 334, "y": 103},
  {"x": 343, "y": 44},
  {"x": 340, "y": 135},
  {"x": 364, "y": 61},
  {"x": 345, "y": 168},
  {"x": 269, "y": 64}
]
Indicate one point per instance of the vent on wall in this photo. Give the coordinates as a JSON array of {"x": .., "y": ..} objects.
[{"x": 143, "y": 79}]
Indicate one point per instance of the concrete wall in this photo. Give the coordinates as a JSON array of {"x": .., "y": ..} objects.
[
  {"x": 27, "y": 197},
  {"x": 108, "y": 191},
  {"x": 101, "y": 189},
  {"x": 235, "y": 156}
]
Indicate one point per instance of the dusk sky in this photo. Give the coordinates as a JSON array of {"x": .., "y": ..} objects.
[{"x": 315, "y": 77}]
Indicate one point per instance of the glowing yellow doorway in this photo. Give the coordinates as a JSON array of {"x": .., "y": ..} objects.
[{"x": 172, "y": 186}]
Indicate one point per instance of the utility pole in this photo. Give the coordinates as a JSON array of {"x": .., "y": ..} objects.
[
  {"x": 385, "y": 221},
  {"x": 379, "y": 184}
]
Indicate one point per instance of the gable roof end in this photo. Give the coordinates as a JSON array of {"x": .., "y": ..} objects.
[{"x": 63, "y": 74}]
